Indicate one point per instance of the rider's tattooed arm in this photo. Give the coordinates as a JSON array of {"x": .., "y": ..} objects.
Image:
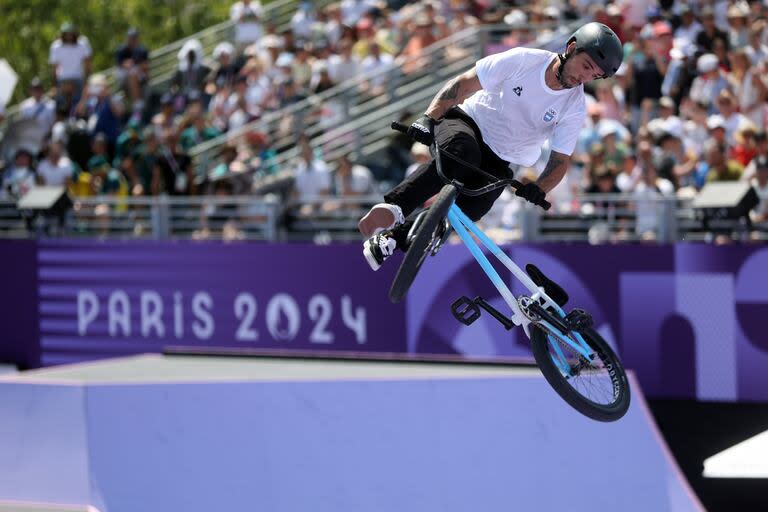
[
  {"x": 554, "y": 171},
  {"x": 453, "y": 93}
]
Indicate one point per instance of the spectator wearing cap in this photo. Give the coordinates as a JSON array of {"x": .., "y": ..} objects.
[
  {"x": 56, "y": 168},
  {"x": 760, "y": 183},
  {"x": 710, "y": 32},
  {"x": 266, "y": 51},
  {"x": 680, "y": 72},
  {"x": 191, "y": 72},
  {"x": 225, "y": 66},
  {"x": 304, "y": 20},
  {"x": 709, "y": 83},
  {"x": 738, "y": 29},
  {"x": 132, "y": 60},
  {"x": 70, "y": 59},
  {"x": 246, "y": 15},
  {"x": 38, "y": 107}
]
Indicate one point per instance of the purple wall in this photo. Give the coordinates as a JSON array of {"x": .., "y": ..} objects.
[
  {"x": 18, "y": 303},
  {"x": 686, "y": 318}
]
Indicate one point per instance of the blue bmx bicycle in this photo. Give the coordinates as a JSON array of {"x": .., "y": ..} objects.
[{"x": 573, "y": 357}]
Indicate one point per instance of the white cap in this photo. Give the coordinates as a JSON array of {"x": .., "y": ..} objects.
[
  {"x": 707, "y": 62},
  {"x": 223, "y": 48},
  {"x": 715, "y": 121},
  {"x": 285, "y": 59}
]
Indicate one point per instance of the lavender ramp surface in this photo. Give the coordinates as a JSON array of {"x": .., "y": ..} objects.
[{"x": 193, "y": 434}]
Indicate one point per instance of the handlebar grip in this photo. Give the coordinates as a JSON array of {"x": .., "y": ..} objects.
[
  {"x": 400, "y": 127},
  {"x": 543, "y": 203}
]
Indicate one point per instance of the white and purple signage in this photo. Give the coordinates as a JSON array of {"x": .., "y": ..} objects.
[{"x": 685, "y": 317}]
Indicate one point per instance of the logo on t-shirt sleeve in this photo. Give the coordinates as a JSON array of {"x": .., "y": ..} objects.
[
  {"x": 518, "y": 90},
  {"x": 550, "y": 115}
]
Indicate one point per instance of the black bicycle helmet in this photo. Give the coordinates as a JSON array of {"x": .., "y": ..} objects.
[{"x": 602, "y": 44}]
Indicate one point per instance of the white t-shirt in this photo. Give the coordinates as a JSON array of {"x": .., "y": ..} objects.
[
  {"x": 68, "y": 59},
  {"x": 55, "y": 174},
  {"x": 516, "y": 110},
  {"x": 43, "y": 111},
  {"x": 312, "y": 180},
  {"x": 248, "y": 30}
]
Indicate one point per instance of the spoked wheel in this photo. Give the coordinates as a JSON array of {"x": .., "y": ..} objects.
[
  {"x": 598, "y": 389},
  {"x": 422, "y": 243}
]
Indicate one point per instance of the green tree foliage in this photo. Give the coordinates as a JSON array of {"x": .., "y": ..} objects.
[{"x": 30, "y": 26}]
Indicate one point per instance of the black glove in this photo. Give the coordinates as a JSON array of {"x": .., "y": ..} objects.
[
  {"x": 422, "y": 130},
  {"x": 531, "y": 193}
]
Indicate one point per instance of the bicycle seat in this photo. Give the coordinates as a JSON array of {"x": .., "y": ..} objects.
[{"x": 555, "y": 292}]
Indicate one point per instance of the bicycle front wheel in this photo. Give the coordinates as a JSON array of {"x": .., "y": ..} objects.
[
  {"x": 598, "y": 389},
  {"x": 422, "y": 243}
]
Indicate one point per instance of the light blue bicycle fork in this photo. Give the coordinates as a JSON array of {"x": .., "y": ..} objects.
[{"x": 462, "y": 225}]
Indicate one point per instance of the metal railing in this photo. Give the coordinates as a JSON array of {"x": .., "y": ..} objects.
[
  {"x": 160, "y": 217},
  {"x": 361, "y": 121},
  {"x": 596, "y": 218}
]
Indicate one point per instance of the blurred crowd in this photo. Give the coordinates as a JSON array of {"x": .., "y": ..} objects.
[{"x": 687, "y": 107}]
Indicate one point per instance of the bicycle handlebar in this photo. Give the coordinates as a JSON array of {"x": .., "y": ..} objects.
[{"x": 498, "y": 183}]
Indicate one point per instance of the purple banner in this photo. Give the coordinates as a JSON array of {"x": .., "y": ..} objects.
[
  {"x": 686, "y": 318},
  {"x": 108, "y": 299},
  {"x": 18, "y": 303}
]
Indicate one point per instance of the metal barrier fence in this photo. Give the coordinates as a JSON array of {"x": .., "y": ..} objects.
[{"x": 609, "y": 218}]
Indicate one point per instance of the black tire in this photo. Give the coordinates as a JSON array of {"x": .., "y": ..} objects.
[
  {"x": 613, "y": 408},
  {"x": 421, "y": 244}
]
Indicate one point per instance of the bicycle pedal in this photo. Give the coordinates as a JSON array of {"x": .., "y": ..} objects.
[
  {"x": 578, "y": 320},
  {"x": 465, "y": 310}
]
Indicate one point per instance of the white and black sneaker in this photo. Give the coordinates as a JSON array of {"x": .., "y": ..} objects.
[
  {"x": 378, "y": 248},
  {"x": 382, "y": 217}
]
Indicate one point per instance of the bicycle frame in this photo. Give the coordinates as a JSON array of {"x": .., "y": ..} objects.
[{"x": 463, "y": 225}]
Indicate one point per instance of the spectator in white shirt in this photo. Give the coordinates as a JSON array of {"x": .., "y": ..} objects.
[
  {"x": 247, "y": 18},
  {"x": 70, "y": 58},
  {"x": 38, "y": 107},
  {"x": 312, "y": 178},
  {"x": 56, "y": 169},
  {"x": 343, "y": 66},
  {"x": 374, "y": 65}
]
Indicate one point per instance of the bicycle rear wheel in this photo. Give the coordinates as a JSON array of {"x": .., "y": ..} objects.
[
  {"x": 422, "y": 243},
  {"x": 598, "y": 389}
]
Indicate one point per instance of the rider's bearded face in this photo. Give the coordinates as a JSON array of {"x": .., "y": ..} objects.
[{"x": 579, "y": 69}]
